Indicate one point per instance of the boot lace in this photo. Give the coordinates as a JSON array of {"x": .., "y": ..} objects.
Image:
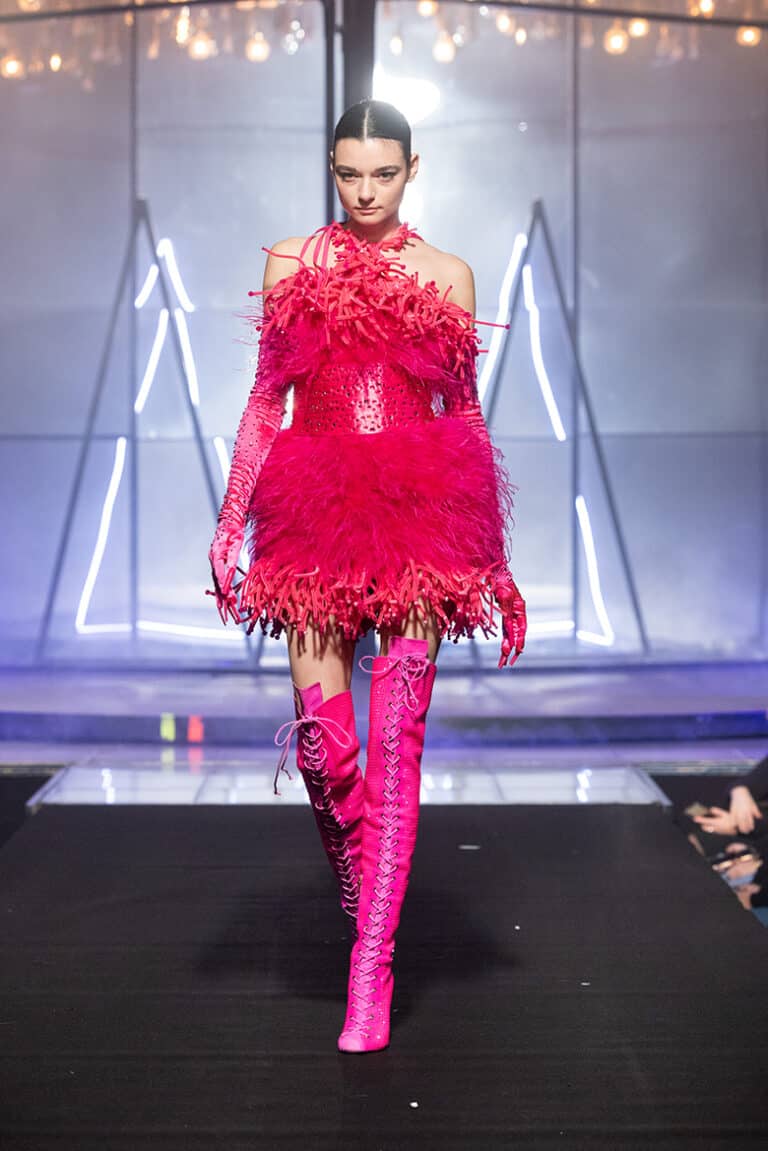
[{"x": 362, "y": 1007}]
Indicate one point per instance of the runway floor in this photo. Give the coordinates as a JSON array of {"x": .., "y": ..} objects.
[{"x": 566, "y": 976}]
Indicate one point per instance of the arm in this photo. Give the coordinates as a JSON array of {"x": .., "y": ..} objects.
[
  {"x": 744, "y": 795},
  {"x": 257, "y": 430},
  {"x": 505, "y": 590}
]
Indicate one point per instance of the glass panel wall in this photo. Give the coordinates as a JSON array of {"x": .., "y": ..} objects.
[
  {"x": 203, "y": 129},
  {"x": 641, "y": 142}
]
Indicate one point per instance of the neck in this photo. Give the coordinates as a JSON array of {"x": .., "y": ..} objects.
[{"x": 376, "y": 233}]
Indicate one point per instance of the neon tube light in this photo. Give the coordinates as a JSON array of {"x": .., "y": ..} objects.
[
  {"x": 146, "y": 287},
  {"x": 118, "y": 465},
  {"x": 502, "y": 313},
  {"x": 534, "y": 328},
  {"x": 165, "y": 252},
  {"x": 190, "y": 370},
  {"x": 593, "y": 574},
  {"x": 154, "y": 357}
]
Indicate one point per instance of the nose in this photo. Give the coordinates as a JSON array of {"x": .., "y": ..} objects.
[{"x": 365, "y": 193}]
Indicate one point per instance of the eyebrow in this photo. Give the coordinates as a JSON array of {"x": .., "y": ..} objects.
[{"x": 383, "y": 168}]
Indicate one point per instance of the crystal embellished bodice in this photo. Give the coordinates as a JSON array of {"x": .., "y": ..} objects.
[
  {"x": 359, "y": 397},
  {"x": 365, "y": 343}
]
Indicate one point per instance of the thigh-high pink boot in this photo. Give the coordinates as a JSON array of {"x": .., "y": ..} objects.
[
  {"x": 327, "y": 750},
  {"x": 401, "y": 690}
]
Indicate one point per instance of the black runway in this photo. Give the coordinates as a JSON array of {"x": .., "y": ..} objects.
[{"x": 174, "y": 977}]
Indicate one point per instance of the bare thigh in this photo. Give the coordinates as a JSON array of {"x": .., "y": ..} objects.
[
  {"x": 321, "y": 657},
  {"x": 327, "y": 658},
  {"x": 416, "y": 628}
]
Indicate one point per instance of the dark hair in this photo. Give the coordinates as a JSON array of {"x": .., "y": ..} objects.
[{"x": 374, "y": 118}]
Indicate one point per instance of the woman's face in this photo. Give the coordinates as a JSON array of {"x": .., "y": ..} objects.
[{"x": 370, "y": 177}]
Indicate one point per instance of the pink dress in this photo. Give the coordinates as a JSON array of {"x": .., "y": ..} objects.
[{"x": 384, "y": 493}]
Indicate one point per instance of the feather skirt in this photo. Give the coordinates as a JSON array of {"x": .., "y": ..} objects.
[{"x": 352, "y": 532}]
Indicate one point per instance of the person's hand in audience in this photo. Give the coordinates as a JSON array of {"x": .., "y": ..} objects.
[
  {"x": 717, "y": 820},
  {"x": 744, "y": 810}
]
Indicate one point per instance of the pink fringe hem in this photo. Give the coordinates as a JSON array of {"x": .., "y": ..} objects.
[{"x": 276, "y": 599}]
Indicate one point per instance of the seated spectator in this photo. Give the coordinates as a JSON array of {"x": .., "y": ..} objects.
[{"x": 742, "y": 813}]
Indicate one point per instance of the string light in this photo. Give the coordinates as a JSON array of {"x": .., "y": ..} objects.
[
  {"x": 202, "y": 45},
  {"x": 11, "y": 67},
  {"x": 257, "y": 48},
  {"x": 183, "y": 27},
  {"x": 520, "y": 36},
  {"x": 505, "y": 24},
  {"x": 616, "y": 39},
  {"x": 55, "y": 62},
  {"x": 748, "y": 37},
  {"x": 444, "y": 49},
  {"x": 396, "y": 44},
  {"x": 29, "y": 5},
  {"x": 638, "y": 28},
  {"x": 427, "y": 8},
  {"x": 707, "y": 7}
]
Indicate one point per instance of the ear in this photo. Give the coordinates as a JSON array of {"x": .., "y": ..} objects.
[
  {"x": 414, "y": 167},
  {"x": 330, "y": 159}
]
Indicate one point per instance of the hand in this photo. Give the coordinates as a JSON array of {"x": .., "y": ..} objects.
[
  {"x": 223, "y": 555},
  {"x": 717, "y": 820},
  {"x": 744, "y": 810},
  {"x": 514, "y": 621}
]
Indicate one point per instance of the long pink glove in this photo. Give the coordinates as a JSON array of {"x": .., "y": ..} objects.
[
  {"x": 505, "y": 590},
  {"x": 259, "y": 425}
]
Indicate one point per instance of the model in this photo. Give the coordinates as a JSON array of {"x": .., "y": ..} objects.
[{"x": 383, "y": 506}]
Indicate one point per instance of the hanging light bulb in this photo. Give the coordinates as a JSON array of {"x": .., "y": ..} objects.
[
  {"x": 444, "y": 49},
  {"x": 55, "y": 62},
  {"x": 257, "y": 48},
  {"x": 268, "y": 3},
  {"x": 748, "y": 37},
  {"x": 29, "y": 5},
  {"x": 396, "y": 44},
  {"x": 153, "y": 48},
  {"x": 460, "y": 35},
  {"x": 638, "y": 28},
  {"x": 505, "y": 23},
  {"x": 427, "y": 8},
  {"x": 616, "y": 40},
  {"x": 12, "y": 67},
  {"x": 520, "y": 36},
  {"x": 707, "y": 7},
  {"x": 183, "y": 27},
  {"x": 202, "y": 46}
]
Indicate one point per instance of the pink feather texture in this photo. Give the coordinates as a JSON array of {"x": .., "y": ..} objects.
[{"x": 354, "y": 530}]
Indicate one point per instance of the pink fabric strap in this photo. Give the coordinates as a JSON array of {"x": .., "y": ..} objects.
[
  {"x": 295, "y": 725},
  {"x": 412, "y": 668}
]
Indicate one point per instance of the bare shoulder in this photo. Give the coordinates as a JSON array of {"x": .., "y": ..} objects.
[
  {"x": 449, "y": 272},
  {"x": 279, "y": 262}
]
